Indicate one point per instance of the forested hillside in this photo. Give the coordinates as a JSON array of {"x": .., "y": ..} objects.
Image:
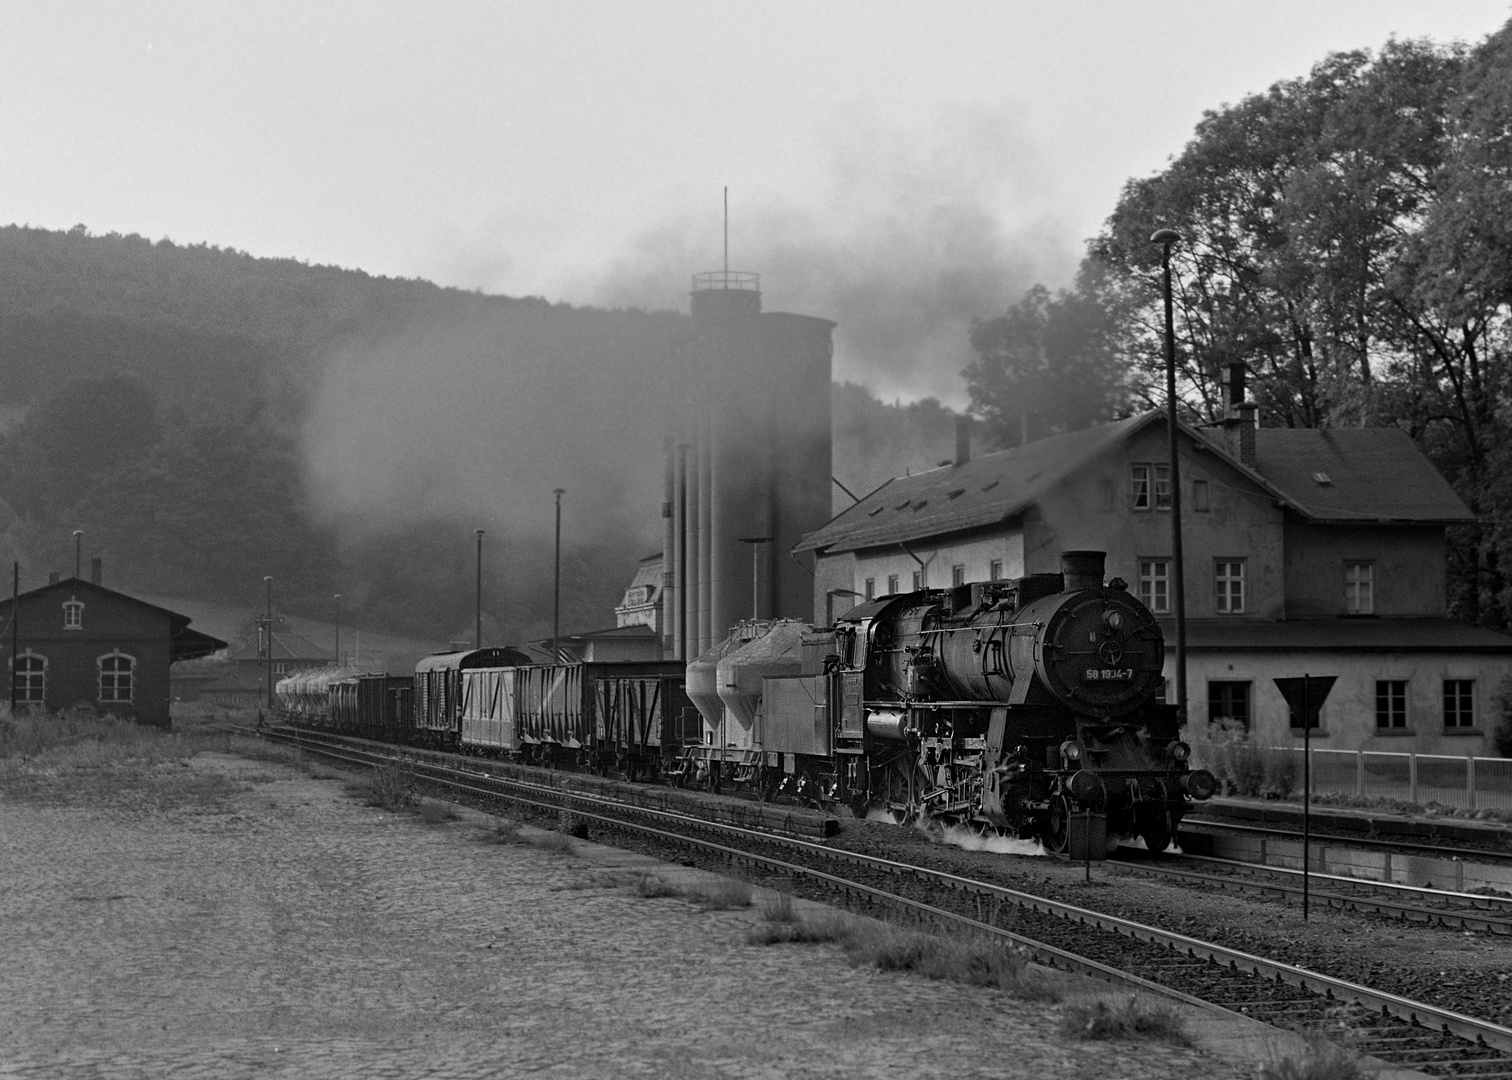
[{"x": 208, "y": 418}]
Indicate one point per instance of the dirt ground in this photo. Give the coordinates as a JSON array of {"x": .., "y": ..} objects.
[{"x": 265, "y": 923}]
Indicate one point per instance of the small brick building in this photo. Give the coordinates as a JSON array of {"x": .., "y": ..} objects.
[{"x": 80, "y": 645}]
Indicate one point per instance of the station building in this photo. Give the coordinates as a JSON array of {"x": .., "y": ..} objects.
[
  {"x": 1306, "y": 551},
  {"x": 77, "y": 644}
]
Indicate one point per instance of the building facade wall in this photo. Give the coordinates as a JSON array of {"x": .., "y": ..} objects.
[
  {"x": 108, "y": 624},
  {"x": 1408, "y": 568},
  {"x": 1348, "y": 718}
]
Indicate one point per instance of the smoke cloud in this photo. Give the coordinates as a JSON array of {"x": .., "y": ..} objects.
[
  {"x": 909, "y": 234},
  {"x": 416, "y": 441}
]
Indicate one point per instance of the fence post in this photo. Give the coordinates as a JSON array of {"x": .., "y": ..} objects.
[
  {"x": 1359, "y": 772},
  {"x": 1470, "y": 780},
  {"x": 1412, "y": 778}
]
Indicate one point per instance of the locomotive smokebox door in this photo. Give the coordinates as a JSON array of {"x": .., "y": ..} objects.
[{"x": 1087, "y": 837}]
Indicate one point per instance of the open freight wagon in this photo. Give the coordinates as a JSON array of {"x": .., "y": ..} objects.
[{"x": 625, "y": 716}]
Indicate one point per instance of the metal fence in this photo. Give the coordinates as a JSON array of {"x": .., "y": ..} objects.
[{"x": 1468, "y": 783}]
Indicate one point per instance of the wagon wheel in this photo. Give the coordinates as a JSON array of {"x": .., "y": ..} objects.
[
  {"x": 1057, "y": 834},
  {"x": 1155, "y": 829}
]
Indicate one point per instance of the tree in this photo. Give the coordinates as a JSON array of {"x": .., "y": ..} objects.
[{"x": 1048, "y": 365}]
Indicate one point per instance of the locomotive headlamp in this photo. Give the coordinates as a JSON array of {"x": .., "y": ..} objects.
[
  {"x": 1113, "y": 619},
  {"x": 1199, "y": 784},
  {"x": 1179, "y": 751},
  {"x": 1071, "y": 750}
]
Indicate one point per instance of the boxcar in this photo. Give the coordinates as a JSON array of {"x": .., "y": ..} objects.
[
  {"x": 600, "y": 716},
  {"x": 438, "y": 690}
]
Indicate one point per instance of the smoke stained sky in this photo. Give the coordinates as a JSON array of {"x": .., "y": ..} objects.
[{"x": 898, "y": 167}]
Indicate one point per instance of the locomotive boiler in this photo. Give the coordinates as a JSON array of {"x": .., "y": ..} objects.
[{"x": 1032, "y": 706}]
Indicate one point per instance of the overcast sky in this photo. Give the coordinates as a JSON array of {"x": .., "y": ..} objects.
[{"x": 878, "y": 153}]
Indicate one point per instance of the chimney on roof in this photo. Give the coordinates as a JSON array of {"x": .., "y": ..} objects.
[
  {"x": 54, "y": 577},
  {"x": 963, "y": 440},
  {"x": 1240, "y": 418},
  {"x": 95, "y": 570},
  {"x": 1236, "y": 384}
]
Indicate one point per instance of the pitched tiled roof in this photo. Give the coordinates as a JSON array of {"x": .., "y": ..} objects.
[
  {"x": 986, "y": 490},
  {"x": 1371, "y": 474},
  {"x": 1356, "y": 474}
]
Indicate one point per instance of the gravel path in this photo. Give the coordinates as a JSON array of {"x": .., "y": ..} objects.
[{"x": 281, "y": 929}]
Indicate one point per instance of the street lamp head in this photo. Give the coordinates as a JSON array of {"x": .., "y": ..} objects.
[
  {"x": 1166, "y": 236},
  {"x": 478, "y": 532},
  {"x": 755, "y": 539},
  {"x": 559, "y": 492},
  {"x": 78, "y": 532}
]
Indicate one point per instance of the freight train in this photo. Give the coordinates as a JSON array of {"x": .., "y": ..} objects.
[{"x": 1032, "y": 706}]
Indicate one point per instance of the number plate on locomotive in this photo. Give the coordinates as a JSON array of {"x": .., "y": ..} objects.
[{"x": 1108, "y": 674}]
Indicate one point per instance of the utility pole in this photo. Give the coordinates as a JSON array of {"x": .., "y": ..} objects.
[
  {"x": 268, "y": 621},
  {"x": 1167, "y": 237},
  {"x": 478, "y": 596},
  {"x": 556, "y": 603},
  {"x": 338, "y": 629}
]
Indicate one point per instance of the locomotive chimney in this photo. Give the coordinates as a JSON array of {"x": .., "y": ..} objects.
[{"x": 1082, "y": 569}]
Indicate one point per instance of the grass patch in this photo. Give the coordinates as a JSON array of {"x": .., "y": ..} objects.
[
  {"x": 437, "y": 813},
  {"x": 1132, "y": 1019},
  {"x": 560, "y": 843},
  {"x": 389, "y": 787},
  {"x": 778, "y": 908},
  {"x": 650, "y": 887},
  {"x": 1320, "y": 1060},
  {"x": 721, "y": 894}
]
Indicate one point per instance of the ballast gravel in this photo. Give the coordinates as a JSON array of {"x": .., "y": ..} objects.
[{"x": 285, "y": 930}]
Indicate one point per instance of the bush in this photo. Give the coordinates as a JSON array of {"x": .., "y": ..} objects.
[
  {"x": 1501, "y": 731},
  {"x": 1320, "y": 1060},
  {"x": 1242, "y": 767},
  {"x": 391, "y": 787},
  {"x": 1134, "y": 1019}
]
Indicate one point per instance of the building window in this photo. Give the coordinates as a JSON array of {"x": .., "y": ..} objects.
[
  {"x": 1229, "y": 700},
  {"x": 995, "y": 570},
  {"x": 1150, "y": 486},
  {"x": 957, "y": 575},
  {"x": 1139, "y": 487},
  {"x": 892, "y": 584},
  {"x": 1459, "y": 703},
  {"x": 31, "y": 678},
  {"x": 1155, "y": 585},
  {"x": 1391, "y": 703},
  {"x": 1359, "y": 587},
  {"x": 73, "y": 615},
  {"x": 115, "y": 678},
  {"x": 1200, "y": 495},
  {"x": 871, "y": 588},
  {"x": 1228, "y": 585},
  {"x": 918, "y": 580}
]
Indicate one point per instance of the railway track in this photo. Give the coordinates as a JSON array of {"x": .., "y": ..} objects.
[
  {"x": 1408, "y": 903},
  {"x": 1118, "y": 950}
]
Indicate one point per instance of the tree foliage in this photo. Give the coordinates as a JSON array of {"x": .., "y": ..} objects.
[
  {"x": 1049, "y": 365},
  {"x": 1347, "y": 237}
]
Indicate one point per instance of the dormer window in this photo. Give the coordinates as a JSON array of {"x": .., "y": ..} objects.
[{"x": 73, "y": 615}]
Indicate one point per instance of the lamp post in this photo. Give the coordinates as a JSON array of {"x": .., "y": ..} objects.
[
  {"x": 556, "y": 598},
  {"x": 755, "y": 542},
  {"x": 1165, "y": 238},
  {"x": 268, "y": 581},
  {"x": 478, "y": 596},
  {"x": 338, "y": 629},
  {"x": 78, "y": 552}
]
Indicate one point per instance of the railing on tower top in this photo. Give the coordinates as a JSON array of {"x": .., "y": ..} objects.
[{"x": 726, "y": 279}]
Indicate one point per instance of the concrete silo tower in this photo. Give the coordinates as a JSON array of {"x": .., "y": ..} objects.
[{"x": 749, "y": 457}]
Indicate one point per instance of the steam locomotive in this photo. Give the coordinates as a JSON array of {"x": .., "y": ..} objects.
[{"x": 1031, "y": 706}]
